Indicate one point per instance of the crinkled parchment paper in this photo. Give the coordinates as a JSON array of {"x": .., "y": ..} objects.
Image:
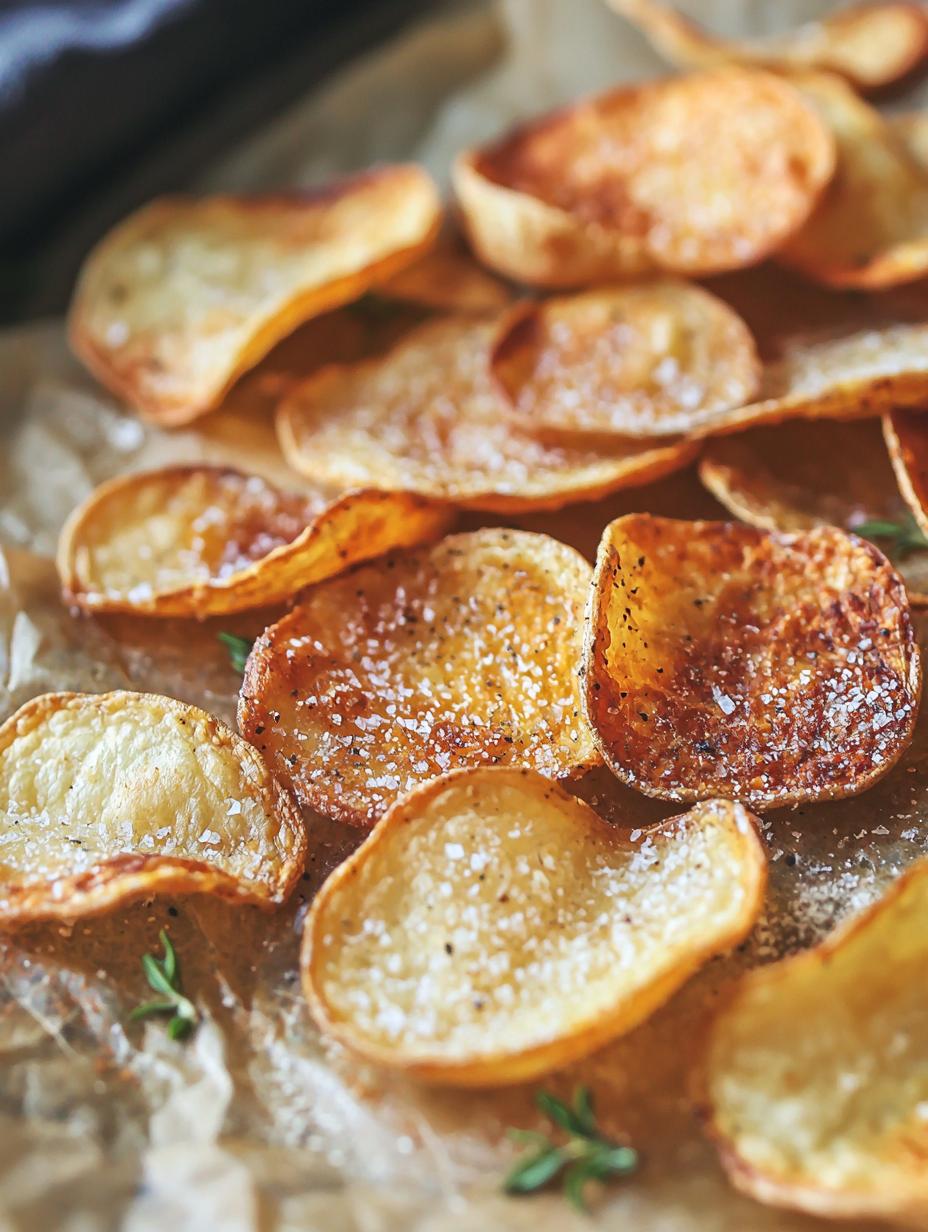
[{"x": 255, "y": 1124}]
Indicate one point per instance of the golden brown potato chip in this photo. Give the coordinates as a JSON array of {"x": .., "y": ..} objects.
[
  {"x": 872, "y": 45},
  {"x": 815, "y": 1079},
  {"x": 870, "y": 228},
  {"x": 493, "y": 927},
  {"x": 658, "y": 358},
  {"x": 911, "y": 128},
  {"x": 725, "y": 661},
  {"x": 186, "y": 295},
  {"x": 200, "y": 540},
  {"x": 447, "y": 279},
  {"x": 796, "y": 476},
  {"x": 113, "y": 796},
  {"x": 695, "y": 174},
  {"x": 428, "y": 418},
  {"x": 461, "y": 654},
  {"x": 906, "y": 435}
]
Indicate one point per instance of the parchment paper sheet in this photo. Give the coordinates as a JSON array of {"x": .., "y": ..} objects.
[{"x": 254, "y": 1125}]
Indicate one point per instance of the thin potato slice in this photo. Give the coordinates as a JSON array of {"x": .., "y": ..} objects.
[
  {"x": 871, "y": 227},
  {"x": 199, "y": 540},
  {"x": 462, "y": 654},
  {"x": 871, "y": 45},
  {"x": 808, "y": 473},
  {"x": 656, "y": 359},
  {"x": 428, "y": 418},
  {"x": 624, "y": 184},
  {"x": 493, "y": 928},
  {"x": 815, "y": 1079},
  {"x": 115, "y": 796},
  {"x": 186, "y": 295},
  {"x": 447, "y": 279},
  {"x": 906, "y": 435},
  {"x": 725, "y": 661}
]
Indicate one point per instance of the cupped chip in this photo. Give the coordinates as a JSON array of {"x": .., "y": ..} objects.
[
  {"x": 871, "y": 45},
  {"x": 696, "y": 174},
  {"x": 658, "y": 358},
  {"x": 428, "y": 418},
  {"x": 814, "y": 1083},
  {"x": 462, "y": 654},
  {"x": 493, "y": 928},
  {"x": 200, "y": 541},
  {"x": 110, "y": 797},
  {"x": 187, "y": 294},
  {"x": 722, "y": 660}
]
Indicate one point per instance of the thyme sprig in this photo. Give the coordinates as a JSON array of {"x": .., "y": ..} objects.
[
  {"x": 163, "y": 975},
  {"x": 903, "y": 537},
  {"x": 586, "y": 1155},
  {"x": 239, "y": 649}
]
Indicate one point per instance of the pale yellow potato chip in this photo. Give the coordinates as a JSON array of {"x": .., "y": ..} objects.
[
  {"x": 110, "y": 797},
  {"x": 186, "y": 295},
  {"x": 696, "y": 174},
  {"x": 200, "y": 541},
  {"x": 814, "y": 1083},
  {"x": 872, "y": 45},
  {"x": 493, "y": 928},
  {"x": 428, "y": 418}
]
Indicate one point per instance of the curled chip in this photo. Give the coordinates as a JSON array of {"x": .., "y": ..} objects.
[
  {"x": 807, "y": 473},
  {"x": 871, "y": 227},
  {"x": 200, "y": 540},
  {"x": 814, "y": 1084},
  {"x": 493, "y": 927},
  {"x": 428, "y": 418},
  {"x": 462, "y": 654},
  {"x": 114, "y": 796},
  {"x": 186, "y": 295},
  {"x": 725, "y": 661},
  {"x": 906, "y": 435},
  {"x": 447, "y": 279},
  {"x": 871, "y": 45},
  {"x": 655, "y": 359},
  {"x": 691, "y": 175}
]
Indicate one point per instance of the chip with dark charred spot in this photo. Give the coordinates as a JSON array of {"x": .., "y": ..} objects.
[
  {"x": 428, "y": 418},
  {"x": 722, "y": 660},
  {"x": 658, "y": 358},
  {"x": 493, "y": 928},
  {"x": 697, "y": 174},
  {"x": 871, "y": 45},
  {"x": 462, "y": 654},
  {"x": 807, "y": 473},
  {"x": 185, "y": 295},
  {"x": 200, "y": 541},
  {"x": 110, "y": 797},
  {"x": 814, "y": 1083}
]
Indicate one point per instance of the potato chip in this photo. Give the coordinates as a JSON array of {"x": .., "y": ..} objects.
[
  {"x": 871, "y": 45},
  {"x": 447, "y": 279},
  {"x": 658, "y": 358},
  {"x": 620, "y": 184},
  {"x": 428, "y": 418},
  {"x": 114, "y": 796},
  {"x": 871, "y": 227},
  {"x": 725, "y": 661},
  {"x": 493, "y": 927},
  {"x": 461, "y": 654},
  {"x": 186, "y": 295},
  {"x": 200, "y": 540},
  {"x": 907, "y": 440},
  {"x": 911, "y": 128},
  {"x": 815, "y": 1078},
  {"x": 807, "y": 473}
]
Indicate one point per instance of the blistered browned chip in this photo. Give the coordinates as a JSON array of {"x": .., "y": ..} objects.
[
  {"x": 186, "y": 294},
  {"x": 493, "y": 928},
  {"x": 871, "y": 227},
  {"x": 447, "y": 279},
  {"x": 872, "y": 45},
  {"x": 658, "y": 358},
  {"x": 807, "y": 473},
  {"x": 693, "y": 174},
  {"x": 428, "y": 418},
  {"x": 462, "y": 654},
  {"x": 815, "y": 1078},
  {"x": 722, "y": 660},
  {"x": 114, "y": 796},
  {"x": 200, "y": 540}
]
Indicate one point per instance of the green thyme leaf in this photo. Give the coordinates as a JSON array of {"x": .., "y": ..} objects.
[
  {"x": 163, "y": 976},
  {"x": 239, "y": 649},
  {"x": 535, "y": 1171},
  {"x": 902, "y": 538}
]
